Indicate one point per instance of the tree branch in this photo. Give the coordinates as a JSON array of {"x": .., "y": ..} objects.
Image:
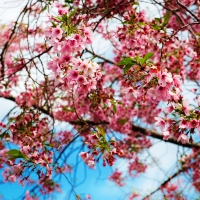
[
  {"x": 101, "y": 57},
  {"x": 135, "y": 128},
  {"x": 6, "y": 45},
  {"x": 177, "y": 17},
  {"x": 191, "y": 13},
  {"x": 168, "y": 180},
  {"x": 156, "y": 135},
  {"x": 108, "y": 12},
  {"x": 184, "y": 168},
  {"x": 34, "y": 106},
  {"x": 30, "y": 60}
]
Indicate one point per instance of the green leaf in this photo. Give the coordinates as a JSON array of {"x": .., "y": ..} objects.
[
  {"x": 65, "y": 18},
  {"x": 14, "y": 153},
  {"x": 68, "y": 109},
  {"x": 137, "y": 58},
  {"x": 157, "y": 19},
  {"x": 166, "y": 18},
  {"x": 78, "y": 197},
  {"x": 69, "y": 1},
  {"x": 101, "y": 130},
  {"x": 104, "y": 106},
  {"x": 21, "y": 129},
  {"x": 114, "y": 105},
  {"x": 156, "y": 27},
  {"x": 11, "y": 119},
  {"x": 72, "y": 13},
  {"x": 198, "y": 34},
  {"x": 127, "y": 67},
  {"x": 125, "y": 61},
  {"x": 122, "y": 121},
  {"x": 146, "y": 57},
  {"x": 43, "y": 9},
  {"x": 93, "y": 58},
  {"x": 126, "y": 22},
  {"x": 50, "y": 182},
  {"x": 114, "y": 108},
  {"x": 30, "y": 124},
  {"x": 48, "y": 145},
  {"x": 136, "y": 3},
  {"x": 141, "y": 23}
]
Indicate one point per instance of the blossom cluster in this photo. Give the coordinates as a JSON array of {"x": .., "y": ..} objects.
[{"x": 75, "y": 74}]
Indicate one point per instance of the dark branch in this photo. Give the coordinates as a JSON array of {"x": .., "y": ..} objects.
[
  {"x": 168, "y": 180},
  {"x": 191, "y": 13},
  {"x": 135, "y": 128},
  {"x": 101, "y": 57},
  {"x": 160, "y": 137}
]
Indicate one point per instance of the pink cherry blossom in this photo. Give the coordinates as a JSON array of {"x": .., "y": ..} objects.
[
  {"x": 12, "y": 178},
  {"x": 186, "y": 107},
  {"x": 73, "y": 75},
  {"x": 165, "y": 79},
  {"x": 57, "y": 33},
  {"x": 160, "y": 122},
  {"x": 88, "y": 159},
  {"x": 166, "y": 135},
  {"x": 184, "y": 123},
  {"x": 183, "y": 138},
  {"x": 193, "y": 123}
]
